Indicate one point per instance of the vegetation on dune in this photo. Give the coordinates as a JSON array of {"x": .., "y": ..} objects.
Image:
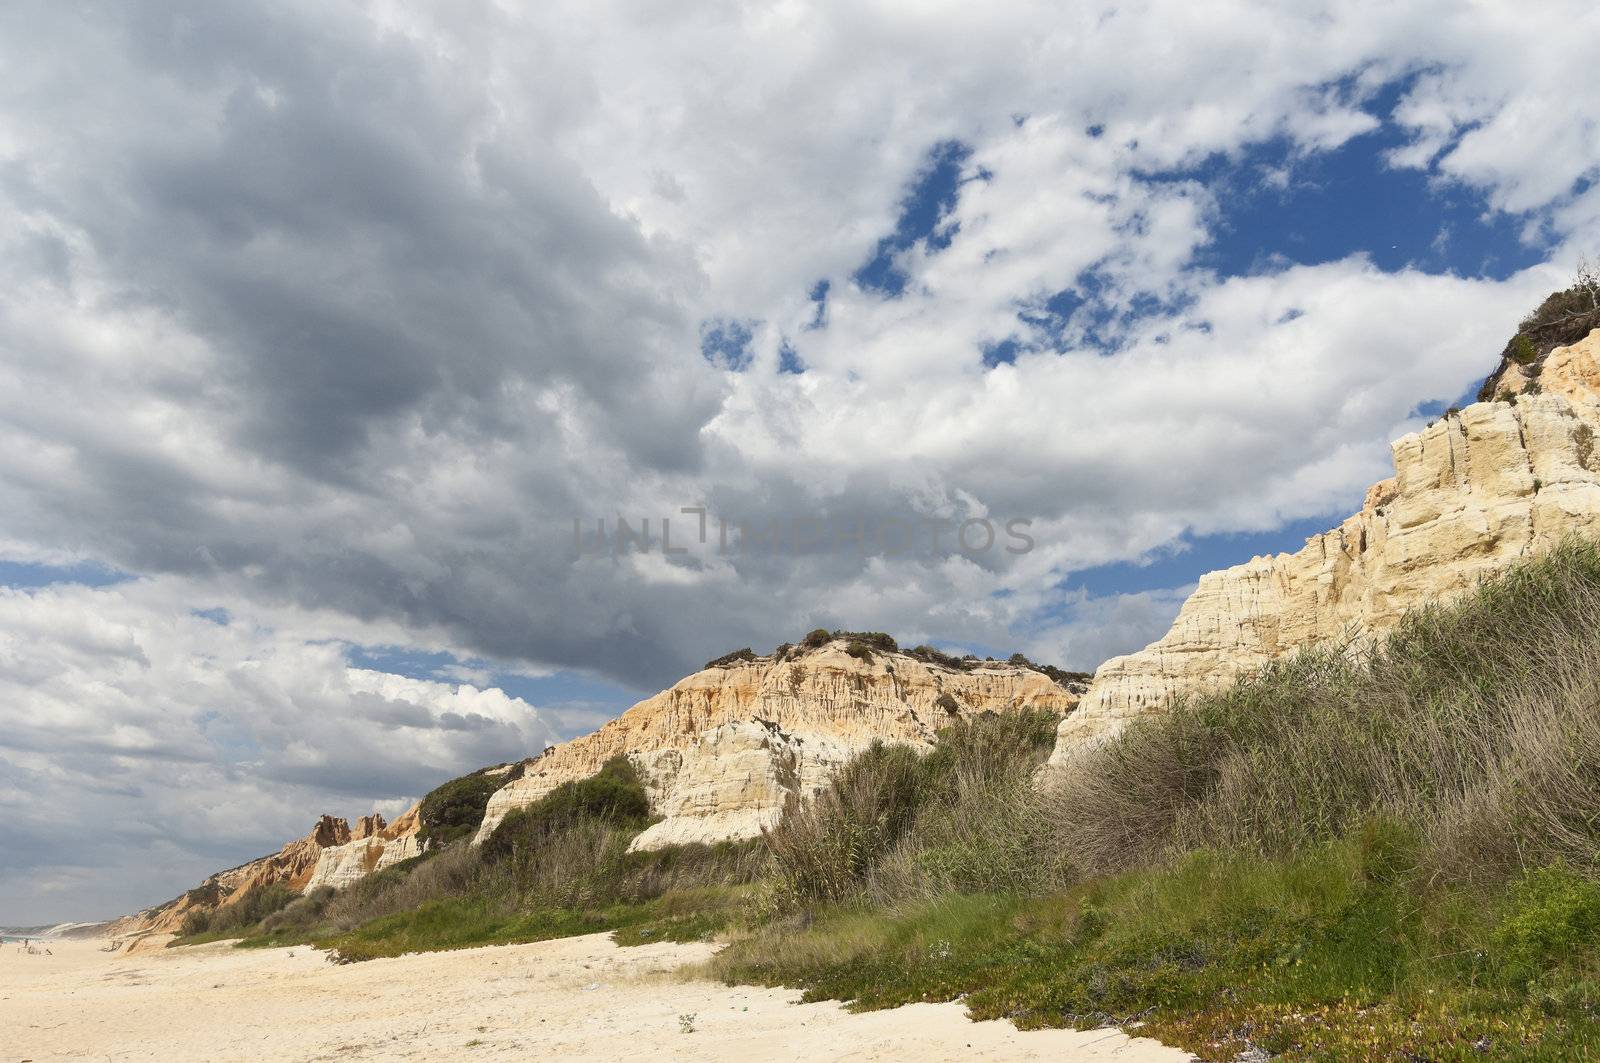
[
  {"x": 1475, "y": 722},
  {"x": 1384, "y": 851},
  {"x": 234, "y": 919},
  {"x": 1379, "y": 851},
  {"x": 865, "y": 646},
  {"x": 613, "y": 796},
  {"x": 736, "y": 657},
  {"x": 1343, "y": 951},
  {"x": 896, "y": 823}
]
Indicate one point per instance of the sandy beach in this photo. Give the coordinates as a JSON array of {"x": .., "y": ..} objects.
[{"x": 580, "y": 998}]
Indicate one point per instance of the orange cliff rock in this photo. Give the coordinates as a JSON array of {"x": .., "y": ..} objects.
[
  {"x": 373, "y": 846},
  {"x": 332, "y": 854},
  {"x": 722, "y": 750},
  {"x": 291, "y": 866}
]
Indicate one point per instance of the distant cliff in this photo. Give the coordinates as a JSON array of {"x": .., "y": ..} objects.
[
  {"x": 722, "y": 750},
  {"x": 329, "y": 854},
  {"x": 720, "y": 753}
]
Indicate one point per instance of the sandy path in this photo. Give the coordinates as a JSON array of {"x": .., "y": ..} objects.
[{"x": 581, "y": 998}]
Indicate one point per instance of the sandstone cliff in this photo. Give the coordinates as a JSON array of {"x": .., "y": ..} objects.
[
  {"x": 291, "y": 866},
  {"x": 1471, "y": 493},
  {"x": 373, "y": 846},
  {"x": 722, "y": 750}
]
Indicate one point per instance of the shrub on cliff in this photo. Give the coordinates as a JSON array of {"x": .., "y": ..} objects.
[
  {"x": 613, "y": 796},
  {"x": 869, "y": 640},
  {"x": 1564, "y": 318},
  {"x": 860, "y": 651},
  {"x": 929, "y": 655},
  {"x": 454, "y": 810},
  {"x": 816, "y": 639},
  {"x": 239, "y": 917},
  {"x": 1074, "y": 681},
  {"x": 825, "y": 847},
  {"x": 876, "y": 640},
  {"x": 746, "y": 654}
]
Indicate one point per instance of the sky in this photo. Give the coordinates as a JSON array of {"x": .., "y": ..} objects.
[{"x": 337, "y": 339}]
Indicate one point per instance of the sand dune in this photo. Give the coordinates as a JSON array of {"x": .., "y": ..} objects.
[{"x": 582, "y": 998}]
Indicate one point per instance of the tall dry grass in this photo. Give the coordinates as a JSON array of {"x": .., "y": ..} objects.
[
  {"x": 1477, "y": 722},
  {"x": 897, "y": 825}
]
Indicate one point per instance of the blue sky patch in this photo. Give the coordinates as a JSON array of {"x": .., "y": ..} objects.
[
  {"x": 819, "y": 299},
  {"x": 789, "y": 359},
  {"x": 1279, "y": 206},
  {"x": 25, "y": 575},
  {"x": 1198, "y": 555},
  {"x": 726, "y": 343},
  {"x": 928, "y": 202},
  {"x": 1002, "y": 353},
  {"x": 571, "y": 702}
]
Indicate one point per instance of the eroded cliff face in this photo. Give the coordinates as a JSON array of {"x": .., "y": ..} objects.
[
  {"x": 722, "y": 750},
  {"x": 291, "y": 866},
  {"x": 1471, "y": 494},
  {"x": 373, "y": 846}
]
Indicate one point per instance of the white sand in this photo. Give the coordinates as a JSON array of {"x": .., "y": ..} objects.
[{"x": 581, "y": 998}]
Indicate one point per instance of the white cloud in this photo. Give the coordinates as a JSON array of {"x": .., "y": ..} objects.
[{"x": 134, "y": 727}]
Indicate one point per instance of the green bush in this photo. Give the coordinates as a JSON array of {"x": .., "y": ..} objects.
[
  {"x": 1553, "y": 917},
  {"x": 1562, "y": 319},
  {"x": 865, "y": 640},
  {"x": 875, "y": 640},
  {"x": 823, "y": 848},
  {"x": 455, "y": 809},
  {"x": 746, "y": 654},
  {"x": 895, "y": 821},
  {"x": 930, "y": 655},
  {"x": 240, "y": 916},
  {"x": 859, "y": 650},
  {"x": 816, "y": 639},
  {"x": 613, "y": 796}
]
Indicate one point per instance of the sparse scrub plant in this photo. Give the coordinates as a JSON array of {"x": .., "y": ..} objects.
[
  {"x": 897, "y": 822},
  {"x": 1472, "y": 720}
]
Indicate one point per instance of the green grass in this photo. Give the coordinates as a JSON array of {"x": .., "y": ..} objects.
[
  {"x": 464, "y": 923},
  {"x": 207, "y": 937},
  {"x": 1473, "y": 721},
  {"x": 470, "y": 922},
  {"x": 1388, "y": 851},
  {"x": 1337, "y": 953}
]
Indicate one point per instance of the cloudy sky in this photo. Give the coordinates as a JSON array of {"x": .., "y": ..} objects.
[{"x": 321, "y": 324}]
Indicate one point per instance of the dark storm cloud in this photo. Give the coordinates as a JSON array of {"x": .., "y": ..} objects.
[{"x": 378, "y": 274}]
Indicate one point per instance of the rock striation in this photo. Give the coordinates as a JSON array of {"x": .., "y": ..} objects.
[
  {"x": 721, "y": 751},
  {"x": 1472, "y": 493}
]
